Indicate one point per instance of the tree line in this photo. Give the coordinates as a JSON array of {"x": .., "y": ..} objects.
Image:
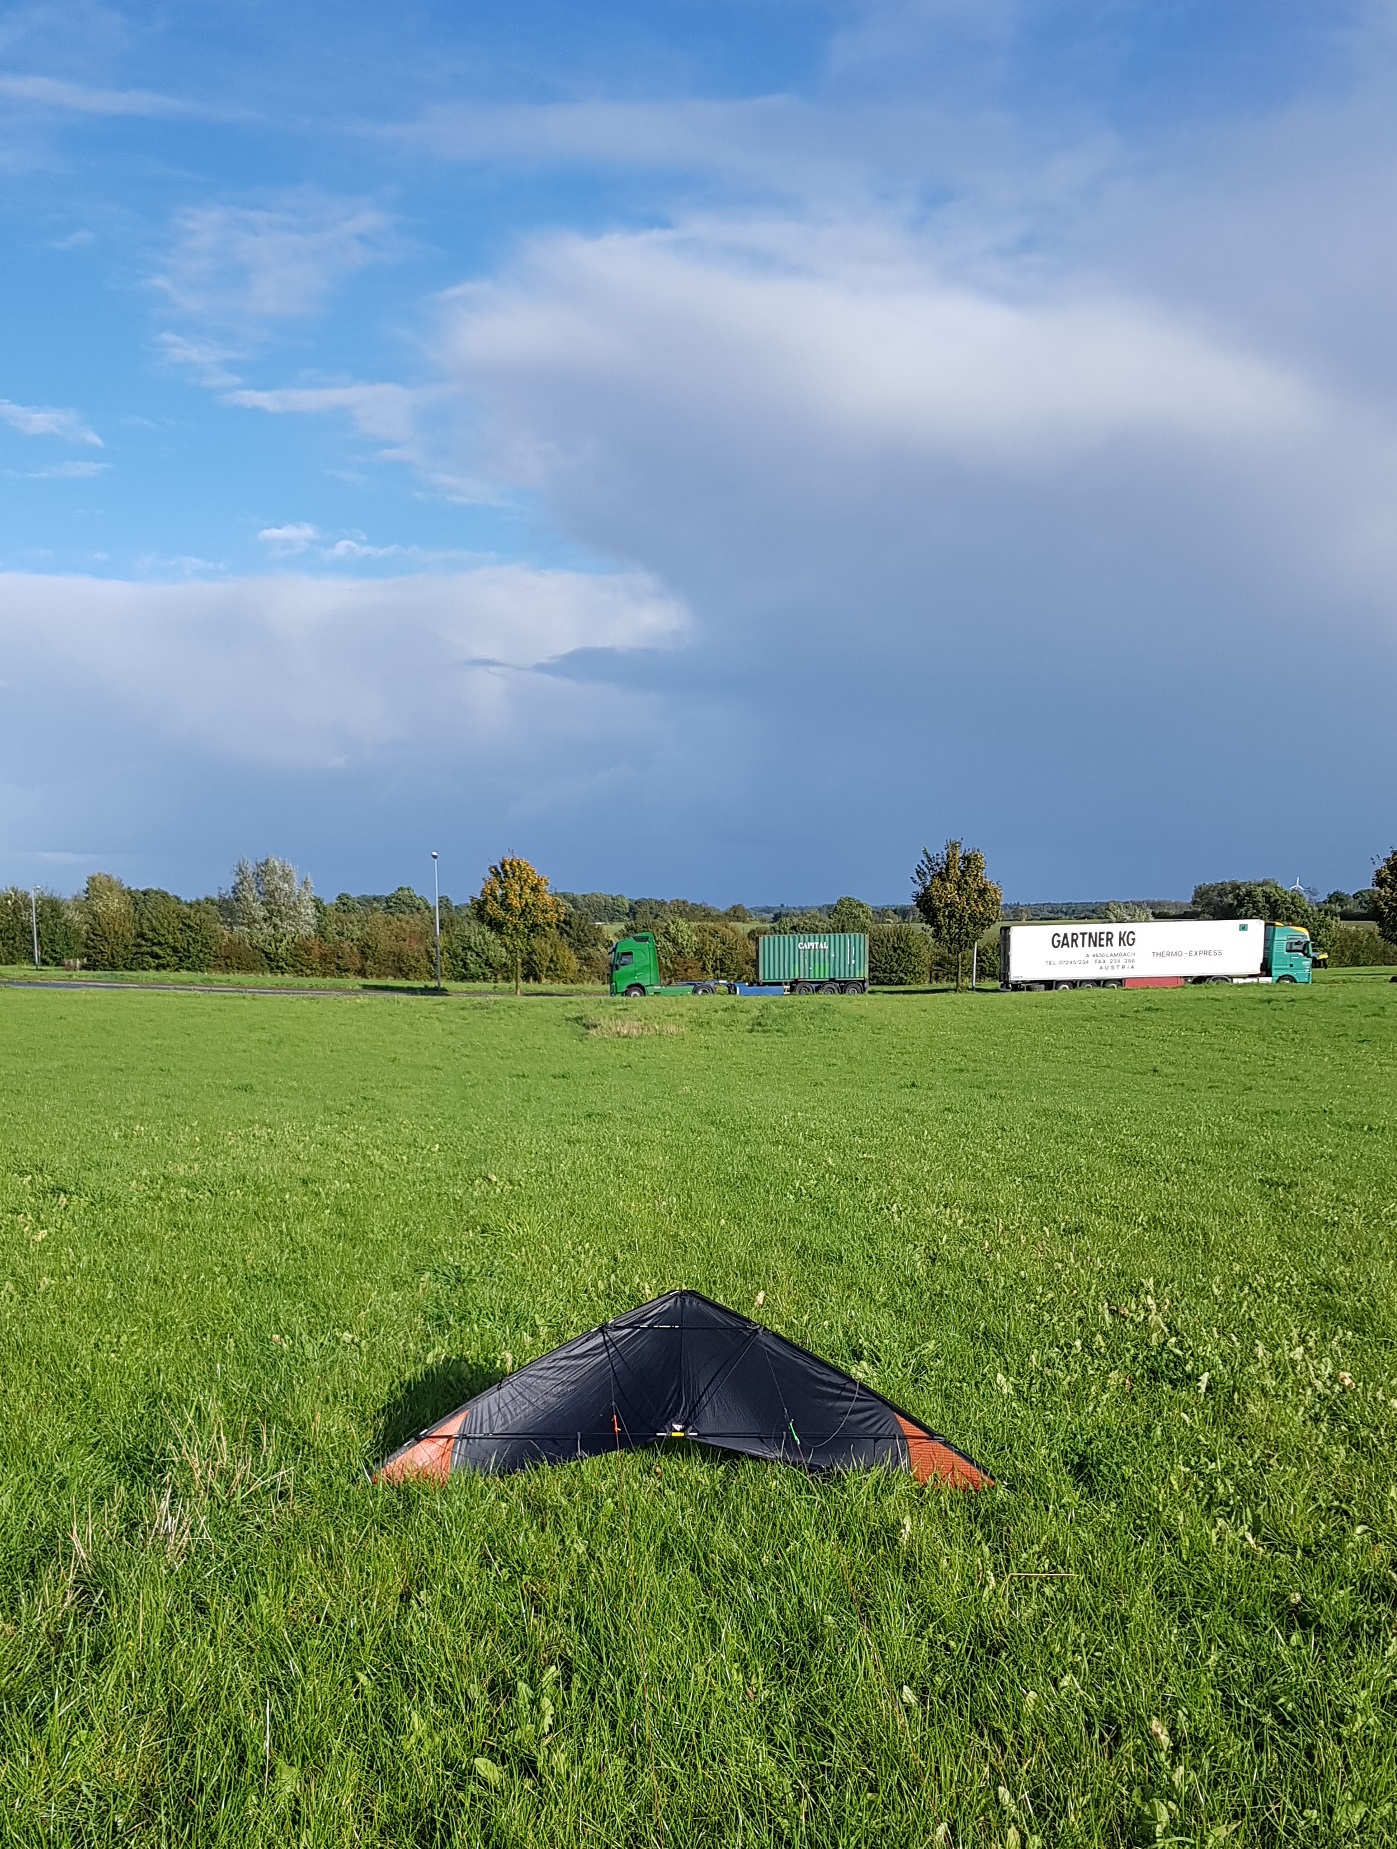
[{"x": 517, "y": 929}]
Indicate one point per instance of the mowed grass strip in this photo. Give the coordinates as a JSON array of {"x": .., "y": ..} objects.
[{"x": 1133, "y": 1252}]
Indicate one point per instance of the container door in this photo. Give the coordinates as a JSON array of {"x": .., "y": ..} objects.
[{"x": 814, "y": 959}]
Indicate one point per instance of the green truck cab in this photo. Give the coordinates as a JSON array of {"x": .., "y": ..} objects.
[
  {"x": 635, "y": 969},
  {"x": 1290, "y": 955}
]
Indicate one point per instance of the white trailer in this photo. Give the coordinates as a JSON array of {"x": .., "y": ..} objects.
[{"x": 1081, "y": 954}]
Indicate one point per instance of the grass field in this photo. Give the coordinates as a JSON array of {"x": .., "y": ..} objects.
[{"x": 1134, "y": 1252}]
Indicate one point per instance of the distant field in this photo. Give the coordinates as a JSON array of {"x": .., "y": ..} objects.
[{"x": 1136, "y": 1253}]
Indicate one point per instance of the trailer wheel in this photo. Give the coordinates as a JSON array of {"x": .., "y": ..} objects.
[
  {"x": 805, "y": 988},
  {"x": 1226, "y": 979},
  {"x": 830, "y": 988},
  {"x": 855, "y": 988},
  {"x": 634, "y": 990}
]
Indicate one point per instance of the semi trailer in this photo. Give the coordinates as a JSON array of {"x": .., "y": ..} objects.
[
  {"x": 788, "y": 963},
  {"x": 1160, "y": 955}
]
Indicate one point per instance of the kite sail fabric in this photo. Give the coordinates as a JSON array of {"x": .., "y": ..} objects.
[{"x": 681, "y": 1367}]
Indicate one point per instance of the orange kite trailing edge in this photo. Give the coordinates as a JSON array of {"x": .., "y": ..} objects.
[{"x": 682, "y": 1367}]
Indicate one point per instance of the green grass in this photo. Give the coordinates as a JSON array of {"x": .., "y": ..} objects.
[{"x": 1133, "y": 1252}]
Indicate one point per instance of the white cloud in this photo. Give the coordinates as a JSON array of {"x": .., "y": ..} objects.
[
  {"x": 300, "y": 537},
  {"x": 207, "y": 360},
  {"x": 56, "y": 93},
  {"x": 385, "y": 412},
  {"x": 43, "y": 421},
  {"x": 286, "y": 541},
  {"x": 792, "y": 328},
  {"x": 247, "y": 266},
  {"x": 65, "y": 472},
  {"x": 303, "y": 673}
]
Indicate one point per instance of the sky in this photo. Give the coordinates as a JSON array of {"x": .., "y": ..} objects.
[{"x": 711, "y": 449}]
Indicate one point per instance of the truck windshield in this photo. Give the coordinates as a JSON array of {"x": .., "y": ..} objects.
[{"x": 1299, "y": 946}]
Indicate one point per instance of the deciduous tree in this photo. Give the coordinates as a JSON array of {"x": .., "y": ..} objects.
[
  {"x": 956, "y": 898},
  {"x": 270, "y": 907},
  {"x": 1266, "y": 899},
  {"x": 517, "y": 906},
  {"x": 851, "y": 915},
  {"x": 1384, "y": 890}
]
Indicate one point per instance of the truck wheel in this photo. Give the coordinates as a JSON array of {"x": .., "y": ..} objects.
[
  {"x": 705, "y": 988},
  {"x": 1285, "y": 979},
  {"x": 805, "y": 988},
  {"x": 634, "y": 990},
  {"x": 1226, "y": 979}
]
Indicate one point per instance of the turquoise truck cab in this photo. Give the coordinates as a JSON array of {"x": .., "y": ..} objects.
[
  {"x": 1290, "y": 956},
  {"x": 635, "y": 965}
]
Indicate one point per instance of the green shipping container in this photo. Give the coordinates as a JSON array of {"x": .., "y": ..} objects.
[{"x": 813, "y": 956}]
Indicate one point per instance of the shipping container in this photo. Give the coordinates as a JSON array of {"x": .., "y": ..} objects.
[{"x": 813, "y": 956}]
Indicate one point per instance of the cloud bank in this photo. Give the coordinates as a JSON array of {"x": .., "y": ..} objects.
[{"x": 983, "y": 424}]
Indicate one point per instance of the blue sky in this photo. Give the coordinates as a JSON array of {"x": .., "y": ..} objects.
[{"x": 710, "y": 449}]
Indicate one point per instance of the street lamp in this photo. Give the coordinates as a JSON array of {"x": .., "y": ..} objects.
[{"x": 436, "y": 914}]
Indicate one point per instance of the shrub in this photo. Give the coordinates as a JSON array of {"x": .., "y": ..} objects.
[
  {"x": 726, "y": 953},
  {"x": 60, "y": 927},
  {"x": 470, "y": 953},
  {"x": 1359, "y": 946},
  {"x": 987, "y": 959},
  {"x": 550, "y": 959},
  {"x": 16, "y": 942},
  {"x": 201, "y": 932},
  {"x": 899, "y": 956},
  {"x": 159, "y": 932},
  {"x": 590, "y": 946},
  {"x": 677, "y": 946},
  {"x": 109, "y": 923},
  {"x": 397, "y": 948},
  {"x": 236, "y": 956}
]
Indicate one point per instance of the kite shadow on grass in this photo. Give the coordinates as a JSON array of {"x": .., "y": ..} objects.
[{"x": 427, "y": 1397}]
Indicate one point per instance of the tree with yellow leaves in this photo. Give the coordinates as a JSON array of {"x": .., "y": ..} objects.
[{"x": 517, "y": 906}]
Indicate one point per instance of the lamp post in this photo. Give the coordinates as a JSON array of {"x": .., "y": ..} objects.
[
  {"x": 34, "y": 922},
  {"x": 436, "y": 914}
]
